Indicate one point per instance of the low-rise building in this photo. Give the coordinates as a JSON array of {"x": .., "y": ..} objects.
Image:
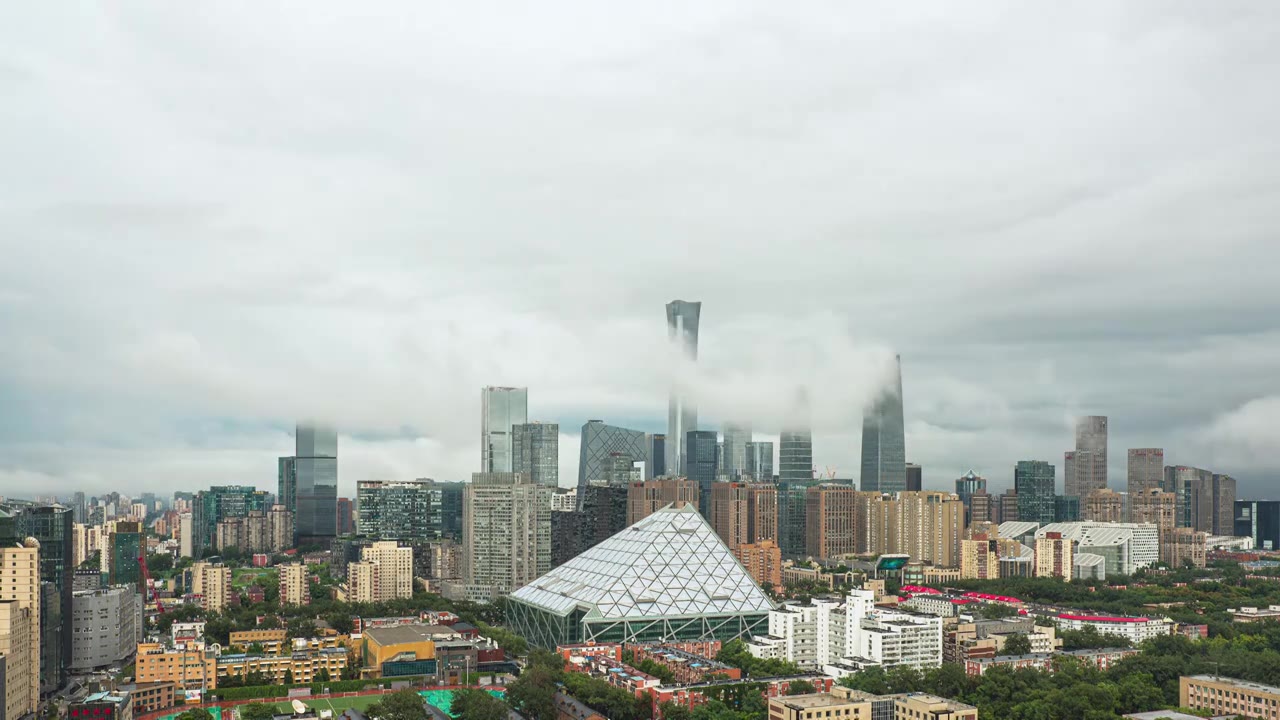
[
  {"x": 103, "y": 706},
  {"x": 244, "y": 638},
  {"x": 299, "y": 667},
  {"x": 847, "y": 704},
  {"x": 1133, "y": 629},
  {"x": 1253, "y": 614},
  {"x": 1048, "y": 661},
  {"x": 106, "y": 626},
  {"x": 686, "y": 667},
  {"x": 1228, "y": 696},
  {"x": 152, "y": 696},
  {"x": 189, "y": 666}
]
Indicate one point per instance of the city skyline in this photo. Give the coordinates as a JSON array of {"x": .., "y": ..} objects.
[{"x": 454, "y": 253}]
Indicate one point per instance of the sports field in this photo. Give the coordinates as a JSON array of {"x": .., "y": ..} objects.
[{"x": 442, "y": 699}]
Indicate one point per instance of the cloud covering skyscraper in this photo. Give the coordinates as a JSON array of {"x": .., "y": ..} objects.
[
  {"x": 884, "y": 444},
  {"x": 682, "y": 411}
]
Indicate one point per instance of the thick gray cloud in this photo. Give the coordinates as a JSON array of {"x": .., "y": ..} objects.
[{"x": 219, "y": 218}]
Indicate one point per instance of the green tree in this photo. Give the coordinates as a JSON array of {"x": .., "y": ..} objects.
[
  {"x": 340, "y": 622},
  {"x": 256, "y": 711},
  {"x": 288, "y": 676},
  {"x": 672, "y": 711},
  {"x": 1017, "y": 644},
  {"x": 322, "y": 675},
  {"x": 477, "y": 705},
  {"x": 400, "y": 705},
  {"x": 159, "y": 563},
  {"x": 800, "y": 687},
  {"x": 532, "y": 694},
  {"x": 195, "y": 714}
]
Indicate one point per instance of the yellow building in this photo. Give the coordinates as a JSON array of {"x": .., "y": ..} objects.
[
  {"x": 300, "y": 667},
  {"x": 394, "y": 569},
  {"x": 1228, "y": 696},
  {"x": 20, "y": 626},
  {"x": 190, "y": 667},
  {"x": 845, "y": 704},
  {"x": 213, "y": 584},
  {"x": 294, "y": 588},
  {"x": 1054, "y": 556},
  {"x": 921, "y": 706},
  {"x": 248, "y": 637},
  {"x": 398, "y": 642},
  {"x": 979, "y": 559},
  {"x": 811, "y": 706}
]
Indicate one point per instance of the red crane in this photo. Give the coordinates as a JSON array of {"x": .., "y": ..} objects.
[{"x": 146, "y": 579}]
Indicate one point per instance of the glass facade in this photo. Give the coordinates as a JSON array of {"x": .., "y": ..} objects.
[
  {"x": 793, "y": 516},
  {"x": 682, "y": 411},
  {"x": 124, "y": 548},
  {"x": 1260, "y": 520},
  {"x": 736, "y": 440},
  {"x": 1066, "y": 508},
  {"x": 701, "y": 455},
  {"x": 501, "y": 409},
  {"x": 403, "y": 510},
  {"x": 599, "y": 444},
  {"x": 657, "y": 457},
  {"x": 450, "y": 509},
  {"x": 209, "y": 507},
  {"x": 316, "y": 470},
  {"x": 1033, "y": 483},
  {"x": 884, "y": 445},
  {"x": 535, "y": 451},
  {"x": 669, "y": 576},
  {"x": 795, "y": 457},
  {"x": 760, "y": 461}
]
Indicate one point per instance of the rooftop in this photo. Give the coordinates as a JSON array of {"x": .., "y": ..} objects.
[
  {"x": 403, "y": 634},
  {"x": 1259, "y": 687},
  {"x": 813, "y": 700}
]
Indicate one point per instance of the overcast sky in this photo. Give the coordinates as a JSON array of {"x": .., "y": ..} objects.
[{"x": 216, "y": 218}]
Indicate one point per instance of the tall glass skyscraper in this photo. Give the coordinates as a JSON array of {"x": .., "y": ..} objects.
[
  {"x": 682, "y": 412},
  {"x": 736, "y": 439},
  {"x": 657, "y": 467},
  {"x": 501, "y": 409},
  {"x": 535, "y": 451},
  {"x": 316, "y": 495},
  {"x": 700, "y": 455},
  {"x": 760, "y": 461},
  {"x": 1033, "y": 482},
  {"x": 884, "y": 444}
]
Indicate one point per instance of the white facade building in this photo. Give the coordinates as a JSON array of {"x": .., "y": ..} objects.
[
  {"x": 1135, "y": 629},
  {"x": 1126, "y": 547}
]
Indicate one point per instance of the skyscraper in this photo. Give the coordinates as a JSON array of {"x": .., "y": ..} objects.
[
  {"x": 507, "y": 533},
  {"x": 1088, "y": 470},
  {"x": 535, "y": 451},
  {"x": 501, "y": 408},
  {"x": 884, "y": 447},
  {"x": 1033, "y": 484},
  {"x": 287, "y": 482},
  {"x": 596, "y": 451},
  {"x": 915, "y": 477},
  {"x": 1146, "y": 469},
  {"x": 682, "y": 411},
  {"x": 51, "y": 525},
  {"x": 316, "y": 494},
  {"x": 967, "y": 486},
  {"x": 398, "y": 510},
  {"x": 657, "y": 459},
  {"x": 736, "y": 439},
  {"x": 1224, "y": 501},
  {"x": 700, "y": 463},
  {"x": 760, "y": 461}
]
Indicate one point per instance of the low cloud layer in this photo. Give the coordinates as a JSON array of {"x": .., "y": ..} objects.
[{"x": 215, "y": 224}]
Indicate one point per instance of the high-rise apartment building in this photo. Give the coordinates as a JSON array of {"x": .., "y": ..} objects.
[
  {"x": 280, "y": 524},
  {"x": 930, "y": 525},
  {"x": 760, "y": 461},
  {"x": 1146, "y": 469},
  {"x": 729, "y": 516},
  {"x": 915, "y": 478},
  {"x": 1054, "y": 556},
  {"x": 389, "y": 566},
  {"x": 884, "y": 447},
  {"x": 398, "y": 510},
  {"x": 315, "y": 513},
  {"x": 682, "y": 410},
  {"x": 979, "y": 558},
  {"x": 1033, "y": 483},
  {"x": 1103, "y": 505},
  {"x": 763, "y": 561},
  {"x": 736, "y": 439},
  {"x": 295, "y": 588},
  {"x": 1008, "y": 506},
  {"x": 600, "y": 447},
  {"x": 830, "y": 527},
  {"x": 1089, "y": 470},
  {"x": 507, "y": 532},
  {"x": 535, "y": 451},
  {"x": 20, "y": 626},
  {"x": 646, "y": 498},
  {"x": 762, "y": 512},
  {"x": 214, "y": 586},
  {"x": 501, "y": 409},
  {"x": 982, "y": 507},
  {"x": 700, "y": 461}
]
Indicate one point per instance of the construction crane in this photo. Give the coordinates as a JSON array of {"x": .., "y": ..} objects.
[
  {"x": 146, "y": 579},
  {"x": 828, "y": 474}
]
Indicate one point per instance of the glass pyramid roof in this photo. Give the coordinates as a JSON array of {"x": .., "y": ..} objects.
[{"x": 670, "y": 563}]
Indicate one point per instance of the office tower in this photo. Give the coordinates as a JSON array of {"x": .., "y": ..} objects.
[
  {"x": 682, "y": 410},
  {"x": 451, "y": 497},
  {"x": 1008, "y": 504},
  {"x": 646, "y": 498},
  {"x": 966, "y": 486},
  {"x": 1033, "y": 483},
  {"x": 78, "y": 507},
  {"x": 760, "y": 461},
  {"x": 20, "y": 626},
  {"x": 795, "y": 458},
  {"x": 915, "y": 478},
  {"x": 295, "y": 588},
  {"x": 736, "y": 439},
  {"x": 501, "y": 409},
  {"x": 719, "y": 455},
  {"x": 1066, "y": 508},
  {"x": 535, "y": 451},
  {"x": 507, "y": 532},
  {"x": 982, "y": 507},
  {"x": 51, "y": 526},
  {"x": 620, "y": 470},
  {"x": 762, "y": 512},
  {"x": 1155, "y": 506},
  {"x": 729, "y": 517},
  {"x": 599, "y": 443},
  {"x": 1054, "y": 556},
  {"x": 219, "y": 503},
  {"x": 884, "y": 447},
  {"x": 700, "y": 464},
  {"x": 829, "y": 512},
  {"x": 1146, "y": 469},
  {"x": 315, "y": 512},
  {"x": 398, "y": 510},
  {"x": 1260, "y": 520},
  {"x": 603, "y": 514},
  {"x": 345, "y": 524},
  {"x": 1089, "y": 470},
  {"x": 657, "y": 459},
  {"x": 124, "y": 548},
  {"x": 792, "y": 517},
  {"x": 385, "y": 572},
  {"x": 1224, "y": 501},
  {"x": 1103, "y": 505},
  {"x": 287, "y": 482}
]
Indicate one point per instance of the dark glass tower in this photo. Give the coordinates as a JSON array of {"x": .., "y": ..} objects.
[
  {"x": 316, "y": 462},
  {"x": 700, "y": 455},
  {"x": 682, "y": 411},
  {"x": 1033, "y": 482},
  {"x": 535, "y": 451},
  {"x": 884, "y": 444},
  {"x": 1260, "y": 520}
]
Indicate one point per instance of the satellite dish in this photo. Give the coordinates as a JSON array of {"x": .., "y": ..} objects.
[{"x": 298, "y": 707}]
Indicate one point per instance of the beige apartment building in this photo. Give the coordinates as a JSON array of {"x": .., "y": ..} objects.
[{"x": 20, "y": 626}]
